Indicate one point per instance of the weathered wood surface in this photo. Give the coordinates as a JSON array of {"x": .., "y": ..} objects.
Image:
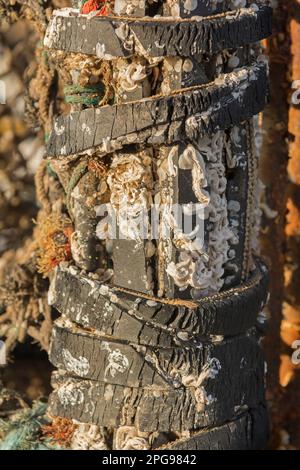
[
  {"x": 132, "y": 268},
  {"x": 154, "y": 409},
  {"x": 179, "y": 186},
  {"x": 85, "y": 245},
  {"x": 107, "y": 359},
  {"x": 247, "y": 432},
  {"x": 129, "y": 317},
  {"x": 130, "y": 265},
  {"x": 238, "y": 202},
  {"x": 112, "y": 37},
  {"x": 127, "y": 359},
  {"x": 186, "y": 115}
]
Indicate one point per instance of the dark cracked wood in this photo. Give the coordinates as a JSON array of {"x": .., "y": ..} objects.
[
  {"x": 247, "y": 432},
  {"x": 239, "y": 202},
  {"x": 107, "y": 359},
  {"x": 186, "y": 115},
  {"x": 125, "y": 358},
  {"x": 85, "y": 244},
  {"x": 130, "y": 317},
  {"x": 153, "y": 409},
  {"x": 113, "y": 37}
]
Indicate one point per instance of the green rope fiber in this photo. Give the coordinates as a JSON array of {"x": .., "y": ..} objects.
[
  {"x": 83, "y": 99},
  {"x": 72, "y": 89},
  {"x": 51, "y": 172},
  {"x": 88, "y": 96},
  {"x": 24, "y": 432}
]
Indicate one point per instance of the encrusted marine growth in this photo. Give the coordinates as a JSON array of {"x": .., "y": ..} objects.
[{"x": 159, "y": 330}]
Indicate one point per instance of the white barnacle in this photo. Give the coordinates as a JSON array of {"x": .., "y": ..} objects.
[
  {"x": 192, "y": 123},
  {"x": 85, "y": 128},
  {"x": 100, "y": 50},
  {"x": 233, "y": 62},
  {"x": 122, "y": 31},
  {"x": 129, "y": 76},
  {"x": 117, "y": 362},
  {"x": 88, "y": 437},
  {"x": 234, "y": 206},
  {"x": 128, "y": 438},
  {"x": 59, "y": 130},
  {"x": 109, "y": 392},
  {"x": 190, "y": 5},
  {"x": 203, "y": 400},
  {"x": 104, "y": 289},
  {"x": 69, "y": 394},
  {"x": 79, "y": 366},
  {"x": 187, "y": 65},
  {"x": 130, "y": 180},
  {"x": 203, "y": 270},
  {"x": 63, "y": 150},
  {"x": 82, "y": 318}
]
